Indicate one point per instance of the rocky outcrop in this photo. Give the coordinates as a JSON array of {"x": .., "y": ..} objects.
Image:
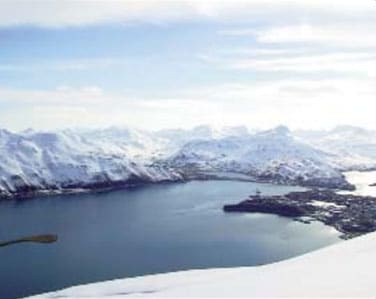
[{"x": 352, "y": 215}]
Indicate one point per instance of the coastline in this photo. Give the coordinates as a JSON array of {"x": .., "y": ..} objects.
[{"x": 197, "y": 176}]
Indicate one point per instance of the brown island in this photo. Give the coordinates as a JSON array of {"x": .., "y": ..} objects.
[
  {"x": 46, "y": 239},
  {"x": 350, "y": 214}
]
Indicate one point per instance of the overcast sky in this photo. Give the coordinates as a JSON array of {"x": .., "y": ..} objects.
[{"x": 157, "y": 64}]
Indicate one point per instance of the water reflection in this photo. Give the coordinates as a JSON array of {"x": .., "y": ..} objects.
[{"x": 146, "y": 230}]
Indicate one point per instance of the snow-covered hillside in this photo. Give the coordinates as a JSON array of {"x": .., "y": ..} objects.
[
  {"x": 342, "y": 270},
  {"x": 272, "y": 155},
  {"x": 54, "y": 161},
  {"x": 174, "y": 139},
  {"x": 98, "y": 158},
  {"x": 351, "y": 148}
]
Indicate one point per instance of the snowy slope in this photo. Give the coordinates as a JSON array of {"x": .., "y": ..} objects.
[
  {"x": 342, "y": 270},
  {"x": 95, "y": 158},
  {"x": 350, "y": 147},
  {"x": 174, "y": 139},
  {"x": 272, "y": 155},
  {"x": 57, "y": 160},
  {"x": 99, "y": 158}
]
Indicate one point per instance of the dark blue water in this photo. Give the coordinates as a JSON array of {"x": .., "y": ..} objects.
[{"x": 146, "y": 230}]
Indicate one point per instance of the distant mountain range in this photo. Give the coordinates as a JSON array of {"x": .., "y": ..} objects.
[{"x": 73, "y": 160}]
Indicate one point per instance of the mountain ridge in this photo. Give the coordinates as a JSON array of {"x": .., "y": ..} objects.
[{"x": 76, "y": 159}]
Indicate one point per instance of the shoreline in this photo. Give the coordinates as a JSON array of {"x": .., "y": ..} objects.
[
  {"x": 351, "y": 215},
  {"x": 199, "y": 176}
]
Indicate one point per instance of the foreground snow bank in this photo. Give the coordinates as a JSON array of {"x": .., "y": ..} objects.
[{"x": 344, "y": 269}]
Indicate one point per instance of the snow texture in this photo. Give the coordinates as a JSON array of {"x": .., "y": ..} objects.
[
  {"x": 103, "y": 158},
  {"x": 342, "y": 270}
]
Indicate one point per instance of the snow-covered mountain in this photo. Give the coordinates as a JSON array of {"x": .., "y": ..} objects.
[
  {"x": 174, "y": 139},
  {"x": 54, "y": 161},
  {"x": 351, "y": 148},
  {"x": 273, "y": 155},
  {"x": 342, "y": 270},
  {"x": 97, "y": 158}
]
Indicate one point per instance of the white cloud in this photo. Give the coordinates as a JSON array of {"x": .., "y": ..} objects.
[
  {"x": 308, "y": 61},
  {"x": 64, "y": 65},
  {"x": 358, "y": 33},
  {"x": 310, "y": 40},
  {"x": 306, "y": 46},
  {"x": 90, "y": 106},
  {"x": 332, "y": 62},
  {"x": 61, "y": 96},
  {"x": 296, "y": 103},
  {"x": 312, "y": 43},
  {"x": 339, "y": 34},
  {"x": 57, "y": 13}
]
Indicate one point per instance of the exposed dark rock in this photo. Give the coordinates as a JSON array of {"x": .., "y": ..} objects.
[
  {"x": 272, "y": 208},
  {"x": 99, "y": 183},
  {"x": 350, "y": 214}
]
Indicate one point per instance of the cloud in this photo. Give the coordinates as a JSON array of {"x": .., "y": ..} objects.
[
  {"x": 90, "y": 106},
  {"x": 64, "y": 65},
  {"x": 57, "y": 13},
  {"x": 309, "y": 46},
  {"x": 298, "y": 103},
  {"x": 294, "y": 47},
  {"x": 312, "y": 44},
  {"x": 332, "y": 62},
  {"x": 63, "y": 95},
  {"x": 339, "y": 34},
  {"x": 307, "y": 61},
  {"x": 306, "y": 33}
]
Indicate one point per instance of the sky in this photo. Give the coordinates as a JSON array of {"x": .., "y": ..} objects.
[{"x": 176, "y": 64}]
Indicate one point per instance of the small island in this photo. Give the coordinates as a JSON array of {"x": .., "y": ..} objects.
[
  {"x": 352, "y": 215},
  {"x": 44, "y": 239}
]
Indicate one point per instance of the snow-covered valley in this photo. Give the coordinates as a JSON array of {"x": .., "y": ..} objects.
[{"x": 73, "y": 160}]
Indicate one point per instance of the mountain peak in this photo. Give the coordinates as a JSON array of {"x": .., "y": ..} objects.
[
  {"x": 348, "y": 128},
  {"x": 235, "y": 131},
  {"x": 277, "y": 131},
  {"x": 283, "y": 130}
]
